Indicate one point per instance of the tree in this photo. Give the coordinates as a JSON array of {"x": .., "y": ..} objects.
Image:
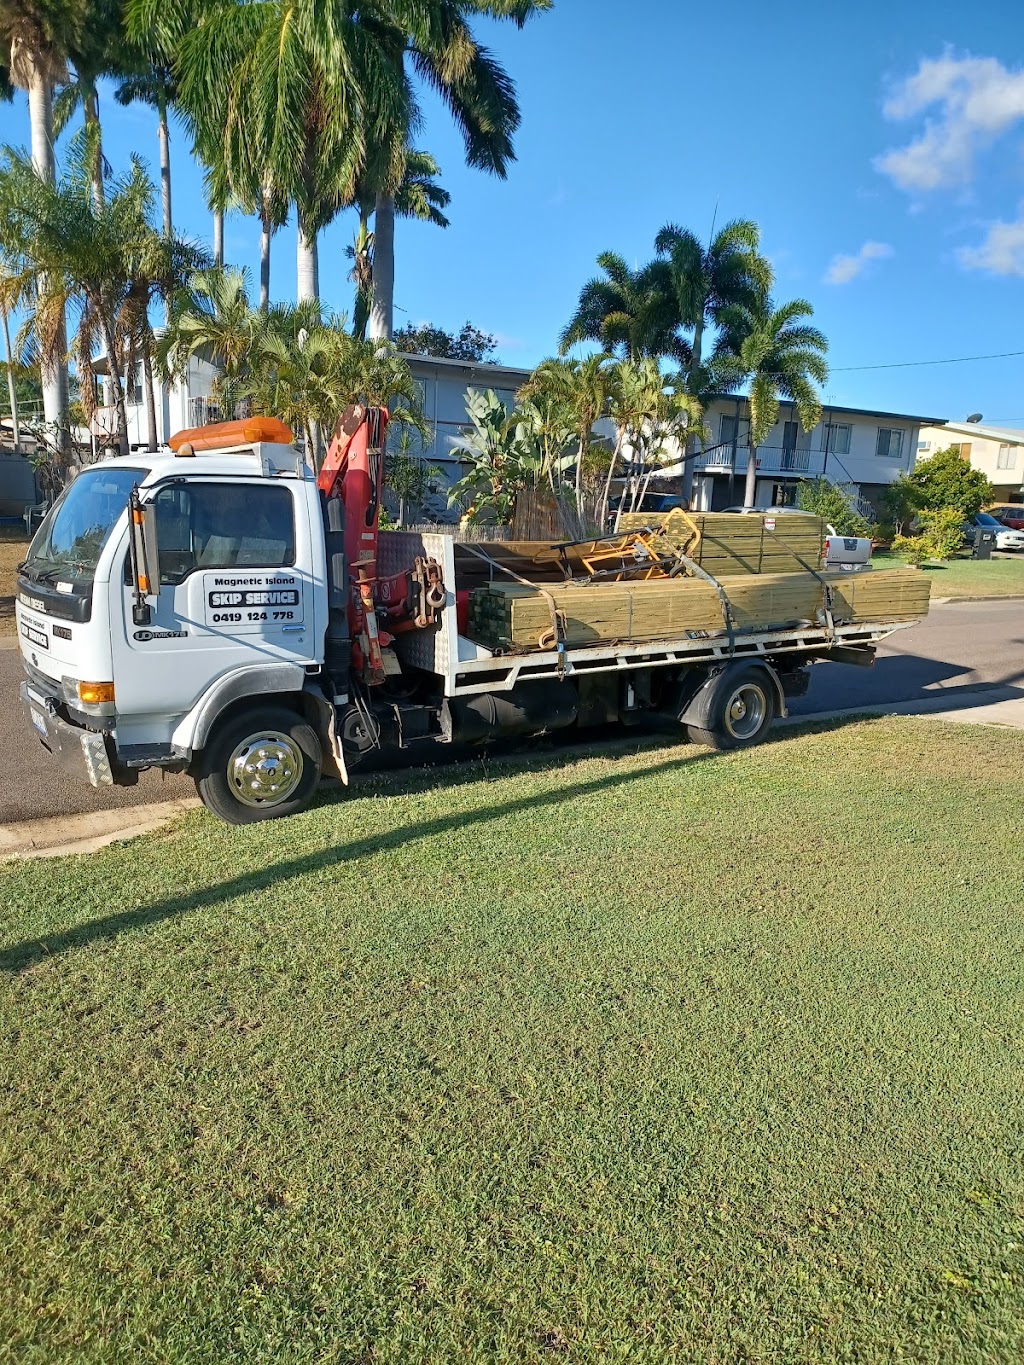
[
  {"x": 153, "y": 85},
  {"x": 81, "y": 250},
  {"x": 37, "y": 35},
  {"x": 901, "y": 500},
  {"x": 629, "y": 313},
  {"x": 583, "y": 388},
  {"x": 212, "y": 318},
  {"x": 418, "y": 196},
  {"x": 947, "y": 480},
  {"x": 95, "y": 48},
  {"x": 503, "y": 461},
  {"x": 834, "y": 505},
  {"x": 783, "y": 358},
  {"x": 706, "y": 281},
  {"x": 435, "y": 39},
  {"x": 468, "y": 344}
]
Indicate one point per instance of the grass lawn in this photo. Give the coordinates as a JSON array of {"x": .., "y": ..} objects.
[
  {"x": 967, "y": 577},
  {"x": 13, "y": 548},
  {"x": 668, "y": 1056}
]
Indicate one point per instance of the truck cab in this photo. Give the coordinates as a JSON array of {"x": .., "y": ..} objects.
[{"x": 239, "y": 614}]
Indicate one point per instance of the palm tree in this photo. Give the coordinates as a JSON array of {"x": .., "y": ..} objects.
[
  {"x": 95, "y": 48},
  {"x": 584, "y": 388},
  {"x": 418, "y": 196},
  {"x": 81, "y": 250},
  {"x": 729, "y": 272},
  {"x": 282, "y": 91},
  {"x": 631, "y": 313},
  {"x": 212, "y": 318},
  {"x": 434, "y": 38},
  {"x": 153, "y": 84},
  {"x": 782, "y": 357},
  {"x": 36, "y": 34},
  {"x": 159, "y": 267}
]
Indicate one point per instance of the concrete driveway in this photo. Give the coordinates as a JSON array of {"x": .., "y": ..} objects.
[{"x": 960, "y": 652}]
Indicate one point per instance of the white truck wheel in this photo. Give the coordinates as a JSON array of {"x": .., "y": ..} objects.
[{"x": 259, "y": 765}]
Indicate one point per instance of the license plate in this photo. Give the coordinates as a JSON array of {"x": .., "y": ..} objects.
[
  {"x": 38, "y": 637},
  {"x": 38, "y": 720}
]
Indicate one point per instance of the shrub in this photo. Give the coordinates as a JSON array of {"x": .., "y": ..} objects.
[
  {"x": 832, "y": 503},
  {"x": 912, "y": 548},
  {"x": 944, "y": 531},
  {"x": 947, "y": 481}
]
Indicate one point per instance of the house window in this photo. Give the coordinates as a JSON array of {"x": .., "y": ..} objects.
[
  {"x": 133, "y": 386},
  {"x": 837, "y": 438},
  {"x": 889, "y": 445},
  {"x": 923, "y": 447},
  {"x": 1007, "y": 458}
]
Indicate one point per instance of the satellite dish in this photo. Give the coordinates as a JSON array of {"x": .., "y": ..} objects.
[{"x": 974, "y": 417}]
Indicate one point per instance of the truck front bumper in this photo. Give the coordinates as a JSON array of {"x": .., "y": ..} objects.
[{"x": 77, "y": 751}]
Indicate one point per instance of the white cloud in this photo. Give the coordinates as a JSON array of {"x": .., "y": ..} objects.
[
  {"x": 843, "y": 269},
  {"x": 1002, "y": 251},
  {"x": 974, "y": 99}
]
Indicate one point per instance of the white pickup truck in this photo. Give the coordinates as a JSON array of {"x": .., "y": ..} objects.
[{"x": 839, "y": 552}]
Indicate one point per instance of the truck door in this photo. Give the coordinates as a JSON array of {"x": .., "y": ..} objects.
[{"x": 236, "y": 590}]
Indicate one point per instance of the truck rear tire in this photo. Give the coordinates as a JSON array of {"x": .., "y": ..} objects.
[
  {"x": 739, "y": 711},
  {"x": 260, "y": 765}
]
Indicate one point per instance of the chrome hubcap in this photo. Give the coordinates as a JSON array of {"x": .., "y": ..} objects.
[
  {"x": 746, "y": 711},
  {"x": 265, "y": 769}
]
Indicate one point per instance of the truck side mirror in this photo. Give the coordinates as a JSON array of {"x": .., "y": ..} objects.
[{"x": 145, "y": 556}]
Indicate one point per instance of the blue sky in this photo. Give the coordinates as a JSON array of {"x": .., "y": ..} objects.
[{"x": 880, "y": 148}]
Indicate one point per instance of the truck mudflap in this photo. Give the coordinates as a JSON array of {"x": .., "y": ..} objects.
[{"x": 75, "y": 749}]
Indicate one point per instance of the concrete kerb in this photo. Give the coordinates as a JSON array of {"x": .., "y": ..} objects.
[
  {"x": 997, "y": 706},
  {"x": 88, "y": 832}
]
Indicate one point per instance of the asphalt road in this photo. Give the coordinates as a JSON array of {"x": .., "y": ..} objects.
[{"x": 962, "y": 648}]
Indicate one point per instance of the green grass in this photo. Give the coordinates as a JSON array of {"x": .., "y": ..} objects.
[
  {"x": 661, "y": 1057},
  {"x": 965, "y": 578}
]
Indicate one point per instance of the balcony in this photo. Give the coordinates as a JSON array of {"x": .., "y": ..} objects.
[
  {"x": 202, "y": 412},
  {"x": 770, "y": 460}
]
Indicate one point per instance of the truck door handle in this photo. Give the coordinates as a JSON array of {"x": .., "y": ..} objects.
[{"x": 284, "y": 628}]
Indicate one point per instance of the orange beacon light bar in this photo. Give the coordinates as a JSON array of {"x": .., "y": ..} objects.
[{"x": 244, "y": 431}]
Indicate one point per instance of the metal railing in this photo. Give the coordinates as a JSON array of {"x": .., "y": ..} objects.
[
  {"x": 202, "y": 411},
  {"x": 770, "y": 459}
]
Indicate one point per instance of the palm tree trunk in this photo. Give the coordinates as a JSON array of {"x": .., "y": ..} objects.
[
  {"x": 750, "y": 487},
  {"x": 218, "y": 237},
  {"x": 382, "y": 311},
  {"x": 12, "y": 387},
  {"x": 148, "y": 390},
  {"x": 163, "y": 133},
  {"x": 620, "y": 437},
  {"x": 92, "y": 122},
  {"x": 264, "y": 265},
  {"x": 117, "y": 387},
  {"x": 53, "y": 365},
  {"x": 307, "y": 265}
]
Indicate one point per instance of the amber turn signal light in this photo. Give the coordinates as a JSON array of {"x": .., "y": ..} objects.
[{"x": 93, "y": 693}]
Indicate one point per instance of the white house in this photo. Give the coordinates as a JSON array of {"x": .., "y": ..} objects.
[
  {"x": 182, "y": 403},
  {"x": 860, "y": 448},
  {"x": 997, "y": 451}
]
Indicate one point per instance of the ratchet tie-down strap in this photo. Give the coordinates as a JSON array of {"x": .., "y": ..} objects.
[{"x": 551, "y": 639}]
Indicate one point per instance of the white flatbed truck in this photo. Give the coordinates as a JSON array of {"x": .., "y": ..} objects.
[{"x": 224, "y": 613}]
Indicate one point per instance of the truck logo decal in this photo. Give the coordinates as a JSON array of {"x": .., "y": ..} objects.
[{"x": 144, "y": 635}]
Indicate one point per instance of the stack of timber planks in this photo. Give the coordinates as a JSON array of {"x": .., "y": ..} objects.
[
  {"x": 733, "y": 544},
  {"x": 505, "y": 616},
  {"x": 880, "y": 595}
]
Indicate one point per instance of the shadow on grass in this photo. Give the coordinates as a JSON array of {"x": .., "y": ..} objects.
[{"x": 31, "y": 951}]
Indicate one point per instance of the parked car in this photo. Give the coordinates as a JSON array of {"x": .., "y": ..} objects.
[
  {"x": 1006, "y": 537},
  {"x": 651, "y": 502},
  {"x": 839, "y": 552},
  {"x": 1010, "y": 514}
]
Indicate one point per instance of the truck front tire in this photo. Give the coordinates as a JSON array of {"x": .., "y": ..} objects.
[
  {"x": 260, "y": 765},
  {"x": 738, "y": 710}
]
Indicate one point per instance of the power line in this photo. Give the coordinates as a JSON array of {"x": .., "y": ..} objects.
[{"x": 914, "y": 364}]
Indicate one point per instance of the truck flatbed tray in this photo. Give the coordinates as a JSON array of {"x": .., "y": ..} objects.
[{"x": 501, "y": 672}]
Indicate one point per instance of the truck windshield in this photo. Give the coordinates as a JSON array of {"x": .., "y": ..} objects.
[{"x": 71, "y": 539}]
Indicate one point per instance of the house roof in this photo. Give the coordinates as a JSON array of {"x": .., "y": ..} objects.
[
  {"x": 482, "y": 367},
  {"x": 1005, "y": 435},
  {"x": 837, "y": 409}
]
